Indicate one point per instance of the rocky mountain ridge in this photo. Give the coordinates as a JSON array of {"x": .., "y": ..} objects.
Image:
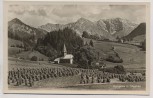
[
  {"x": 106, "y": 28},
  {"x": 109, "y": 28}
]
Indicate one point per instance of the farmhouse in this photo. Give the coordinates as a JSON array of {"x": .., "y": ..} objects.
[{"x": 67, "y": 58}]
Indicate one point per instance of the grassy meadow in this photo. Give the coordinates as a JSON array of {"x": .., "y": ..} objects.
[{"x": 133, "y": 59}]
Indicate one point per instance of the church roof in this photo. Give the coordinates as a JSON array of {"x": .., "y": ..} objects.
[
  {"x": 57, "y": 59},
  {"x": 68, "y": 56}
]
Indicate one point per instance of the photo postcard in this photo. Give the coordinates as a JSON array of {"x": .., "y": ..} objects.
[{"x": 76, "y": 47}]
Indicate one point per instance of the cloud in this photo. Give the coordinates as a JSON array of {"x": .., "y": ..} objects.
[
  {"x": 32, "y": 10},
  {"x": 32, "y": 14},
  {"x": 66, "y": 11},
  {"x": 16, "y": 9},
  {"x": 42, "y": 12}
]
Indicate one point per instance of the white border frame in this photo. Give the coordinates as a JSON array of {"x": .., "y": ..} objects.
[{"x": 148, "y": 44}]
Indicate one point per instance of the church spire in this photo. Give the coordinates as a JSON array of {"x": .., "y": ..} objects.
[{"x": 64, "y": 50}]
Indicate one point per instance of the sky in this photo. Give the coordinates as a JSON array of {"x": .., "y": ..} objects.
[{"x": 37, "y": 15}]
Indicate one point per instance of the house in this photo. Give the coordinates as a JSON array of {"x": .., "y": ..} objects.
[
  {"x": 122, "y": 41},
  {"x": 66, "y": 58},
  {"x": 56, "y": 61}
]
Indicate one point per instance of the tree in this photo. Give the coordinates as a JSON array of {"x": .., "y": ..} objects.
[
  {"x": 114, "y": 58},
  {"x": 52, "y": 54},
  {"x": 118, "y": 69},
  {"x": 95, "y": 37},
  {"x": 55, "y": 40},
  {"x": 143, "y": 45},
  {"x": 34, "y": 58},
  {"x": 118, "y": 39},
  {"x": 85, "y": 34},
  {"x": 10, "y": 35},
  {"x": 83, "y": 63},
  {"x": 91, "y": 43},
  {"x": 85, "y": 56},
  {"x": 86, "y": 43}
]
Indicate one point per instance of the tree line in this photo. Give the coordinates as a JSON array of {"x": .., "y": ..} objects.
[{"x": 52, "y": 45}]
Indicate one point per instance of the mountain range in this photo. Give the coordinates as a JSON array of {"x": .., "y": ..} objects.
[{"x": 107, "y": 28}]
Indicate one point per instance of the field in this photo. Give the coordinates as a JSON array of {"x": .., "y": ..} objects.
[
  {"x": 12, "y": 42},
  {"x": 69, "y": 82},
  {"x": 13, "y": 47},
  {"x": 73, "y": 83},
  {"x": 132, "y": 55},
  {"x": 133, "y": 59},
  {"x": 29, "y": 54}
]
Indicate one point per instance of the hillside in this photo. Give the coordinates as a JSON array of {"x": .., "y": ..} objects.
[
  {"x": 139, "y": 38},
  {"x": 19, "y": 30},
  {"x": 29, "y": 54},
  {"x": 138, "y": 33},
  {"x": 132, "y": 55},
  {"x": 108, "y": 28},
  {"x": 14, "y": 47},
  {"x": 13, "y": 42}
]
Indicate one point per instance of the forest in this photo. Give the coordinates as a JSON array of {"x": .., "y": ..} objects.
[{"x": 52, "y": 45}]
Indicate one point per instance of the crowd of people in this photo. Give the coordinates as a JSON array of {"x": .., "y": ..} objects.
[{"x": 28, "y": 76}]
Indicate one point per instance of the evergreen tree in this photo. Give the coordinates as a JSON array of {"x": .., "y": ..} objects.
[
  {"x": 118, "y": 39},
  {"x": 143, "y": 45},
  {"x": 55, "y": 40},
  {"x": 91, "y": 43},
  {"x": 86, "y": 43},
  {"x": 84, "y": 56},
  {"x": 85, "y": 34}
]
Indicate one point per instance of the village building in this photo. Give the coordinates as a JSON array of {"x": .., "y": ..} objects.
[{"x": 66, "y": 58}]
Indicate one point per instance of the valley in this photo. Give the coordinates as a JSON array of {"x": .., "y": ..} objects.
[{"x": 107, "y": 44}]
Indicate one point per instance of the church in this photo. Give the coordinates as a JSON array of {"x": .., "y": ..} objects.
[{"x": 66, "y": 58}]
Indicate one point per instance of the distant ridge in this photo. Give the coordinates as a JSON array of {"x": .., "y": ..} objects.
[
  {"x": 105, "y": 28},
  {"x": 108, "y": 28},
  {"x": 22, "y": 30},
  {"x": 138, "y": 31}
]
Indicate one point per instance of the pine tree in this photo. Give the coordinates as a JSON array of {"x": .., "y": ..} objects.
[
  {"x": 91, "y": 43},
  {"x": 85, "y": 34}
]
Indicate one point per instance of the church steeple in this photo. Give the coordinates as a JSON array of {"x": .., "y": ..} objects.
[{"x": 64, "y": 50}]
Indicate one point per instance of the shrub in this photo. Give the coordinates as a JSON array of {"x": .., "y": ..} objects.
[
  {"x": 143, "y": 46},
  {"x": 85, "y": 34},
  {"x": 114, "y": 58},
  {"x": 85, "y": 56},
  {"x": 34, "y": 58},
  {"x": 119, "y": 69},
  {"x": 41, "y": 59},
  {"x": 12, "y": 46},
  {"x": 91, "y": 43}
]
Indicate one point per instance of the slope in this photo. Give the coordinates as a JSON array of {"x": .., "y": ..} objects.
[{"x": 140, "y": 30}]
